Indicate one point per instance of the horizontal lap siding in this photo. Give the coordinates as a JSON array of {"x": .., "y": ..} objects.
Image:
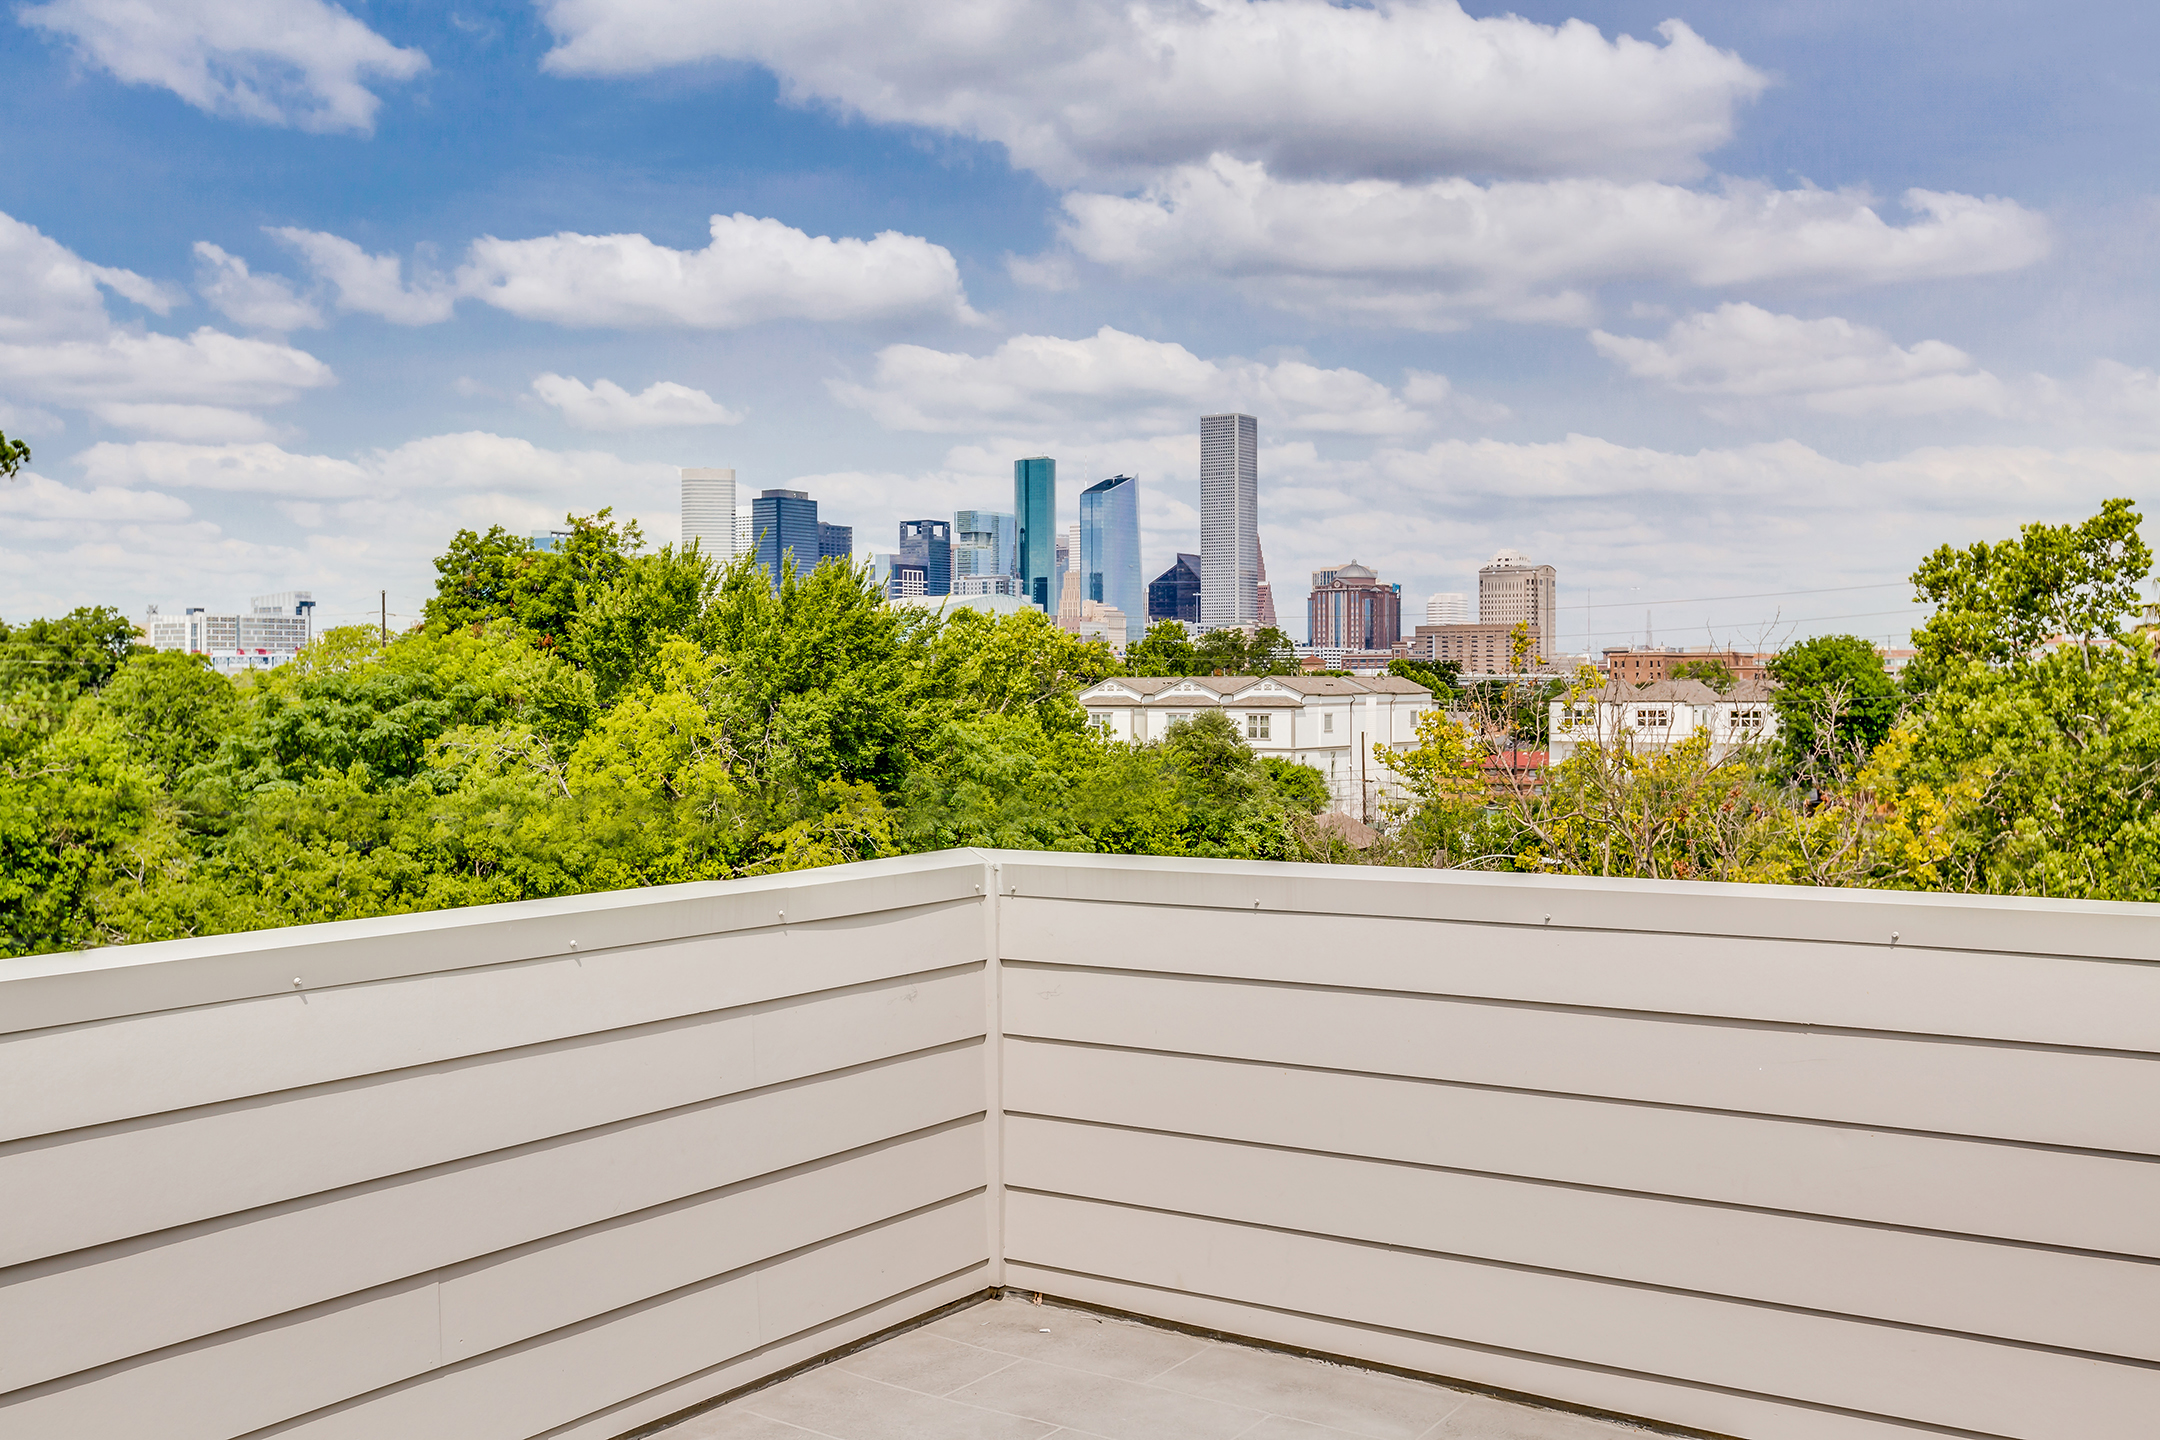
[
  {"x": 643, "y": 1165},
  {"x": 1752, "y": 1184}
]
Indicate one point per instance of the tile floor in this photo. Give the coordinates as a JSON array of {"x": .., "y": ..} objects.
[{"x": 1012, "y": 1370}]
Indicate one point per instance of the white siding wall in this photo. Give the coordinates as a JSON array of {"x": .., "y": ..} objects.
[{"x": 1726, "y": 1157}]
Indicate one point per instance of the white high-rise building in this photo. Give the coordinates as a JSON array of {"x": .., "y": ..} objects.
[
  {"x": 1229, "y": 521},
  {"x": 710, "y": 515},
  {"x": 1450, "y": 607},
  {"x": 1512, "y": 591},
  {"x": 271, "y": 631}
]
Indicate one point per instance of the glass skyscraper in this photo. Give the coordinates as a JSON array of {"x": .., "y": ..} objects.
[
  {"x": 1229, "y": 521},
  {"x": 1035, "y": 507},
  {"x": 928, "y": 543},
  {"x": 1110, "y": 546},
  {"x": 1175, "y": 594},
  {"x": 985, "y": 542},
  {"x": 784, "y": 521}
]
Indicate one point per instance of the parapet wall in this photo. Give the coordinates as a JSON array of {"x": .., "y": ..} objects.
[{"x": 1763, "y": 1162}]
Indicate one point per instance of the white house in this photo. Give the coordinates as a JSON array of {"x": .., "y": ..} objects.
[
  {"x": 1661, "y": 715},
  {"x": 1329, "y": 722}
]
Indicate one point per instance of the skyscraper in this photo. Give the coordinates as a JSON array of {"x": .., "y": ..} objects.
[
  {"x": 1035, "y": 506},
  {"x": 1110, "y": 545},
  {"x": 1175, "y": 594},
  {"x": 1449, "y": 607},
  {"x": 786, "y": 523},
  {"x": 835, "y": 542},
  {"x": 1355, "y": 610},
  {"x": 928, "y": 543},
  {"x": 1513, "y": 591},
  {"x": 708, "y": 513},
  {"x": 985, "y": 542},
  {"x": 1229, "y": 521}
]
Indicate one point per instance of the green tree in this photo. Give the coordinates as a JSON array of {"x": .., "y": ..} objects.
[
  {"x": 1712, "y": 672},
  {"x": 1835, "y": 703},
  {"x": 479, "y": 578},
  {"x": 1438, "y": 676},
  {"x": 172, "y": 710},
  {"x": 1230, "y": 652},
  {"x": 1996, "y": 603},
  {"x": 1166, "y": 649},
  {"x": 14, "y": 454},
  {"x": 46, "y": 664},
  {"x": 620, "y": 626}
]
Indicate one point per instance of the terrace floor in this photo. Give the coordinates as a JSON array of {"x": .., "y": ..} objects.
[{"x": 1009, "y": 1369}]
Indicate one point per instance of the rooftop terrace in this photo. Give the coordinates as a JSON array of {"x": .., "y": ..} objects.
[{"x": 1773, "y": 1163}]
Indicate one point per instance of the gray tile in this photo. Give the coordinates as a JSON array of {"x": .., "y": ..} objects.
[
  {"x": 1077, "y": 1338},
  {"x": 1481, "y": 1418},
  {"x": 1384, "y": 1407},
  {"x": 846, "y": 1406},
  {"x": 732, "y": 1422},
  {"x": 1105, "y": 1405},
  {"x": 922, "y": 1361}
]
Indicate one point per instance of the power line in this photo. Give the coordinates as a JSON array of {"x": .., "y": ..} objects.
[
  {"x": 1759, "y": 595},
  {"x": 1779, "y": 620}
]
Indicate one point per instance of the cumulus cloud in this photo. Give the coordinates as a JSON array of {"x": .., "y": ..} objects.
[
  {"x": 1425, "y": 254},
  {"x": 471, "y": 462},
  {"x": 604, "y": 405},
  {"x": 1098, "y": 89},
  {"x": 59, "y": 345},
  {"x": 260, "y": 302},
  {"x": 303, "y": 63},
  {"x": 184, "y": 422},
  {"x": 1042, "y": 383},
  {"x": 47, "y": 291},
  {"x": 754, "y": 270},
  {"x": 1831, "y": 364},
  {"x": 33, "y": 497},
  {"x": 370, "y": 284}
]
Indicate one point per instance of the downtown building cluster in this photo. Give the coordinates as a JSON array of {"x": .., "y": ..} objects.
[{"x": 1087, "y": 575}]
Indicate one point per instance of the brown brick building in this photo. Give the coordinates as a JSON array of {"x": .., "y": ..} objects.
[{"x": 1639, "y": 665}]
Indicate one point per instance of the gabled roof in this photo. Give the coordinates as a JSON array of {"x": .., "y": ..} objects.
[
  {"x": 1685, "y": 692},
  {"x": 1166, "y": 689}
]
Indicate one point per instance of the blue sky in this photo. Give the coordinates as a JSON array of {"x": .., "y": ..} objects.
[{"x": 1688, "y": 300}]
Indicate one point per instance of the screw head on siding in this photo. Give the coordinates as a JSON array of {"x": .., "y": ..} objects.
[
  {"x": 296, "y": 982},
  {"x": 573, "y": 944},
  {"x": 1893, "y": 937}
]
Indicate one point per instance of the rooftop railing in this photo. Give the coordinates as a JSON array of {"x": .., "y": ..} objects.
[{"x": 1776, "y": 1163}]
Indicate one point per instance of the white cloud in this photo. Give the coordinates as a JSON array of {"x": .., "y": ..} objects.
[
  {"x": 1831, "y": 364},
  {"x": 59, "y": 345},
  {"x": 208, "y": 367},
  {"x": 371, "y": 284},
  {"x": 47, "y": 291},
  {"x": 281, "y": 62},
  {"x": 32, "y": 497},
  {"x": 1042, "y": 383},
  {"x": 1097, "y": 88},
  {"x": 1424, "y": 254},
  {"x": 604, "y": 405},
  {"x": 260, "y": 302},
  {"x": 754, "y": 270},
  {"x": 469, "y": 462},
  {"x": 184, "y": 422}
]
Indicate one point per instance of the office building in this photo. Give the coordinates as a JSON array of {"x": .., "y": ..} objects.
[
  {"x": 1450, "y": 607},
  {"x": 1229, "y": 521},
  {"x": 1475, "y": 649},
  {"x": 1353, "y": 611},
  {"x": 928, "y": 543},
  {"x": 1175, "y": 594},
  {"x": 787, "y": 524},
  {"x": 835, "y": 542},
  {"x": 1035, "y": 513},
  {"x": 1641, "y": 665},
  {"x": 985, "y": 542},
  {"x": 272, "y": 630},
  {"x": 988, "y": 585},
  {"x": 549, "y": 540},
  {"x": 1110, "y": 545},
  {"x": 894, "y": 575},
  {"x": 1264, "y": 593},
  {"x": 1512, "y": 591},
  {"x": 1097, "y": 621},
  {"x": 709, "y": 514}
]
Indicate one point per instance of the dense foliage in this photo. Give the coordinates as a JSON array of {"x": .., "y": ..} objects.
[
  {"x": 600, "y": 716},
  {"x": 591, "y": 717}
]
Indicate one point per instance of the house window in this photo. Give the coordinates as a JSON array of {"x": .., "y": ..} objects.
[
  {"x": 1749, "y": 721},
  {"x": 1658, "y": 718},
  {"x": 1256, "y": 727},
  {"x": 1327, "y": 723}
]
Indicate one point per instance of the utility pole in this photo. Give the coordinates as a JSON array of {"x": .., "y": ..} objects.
[{"x": 385, "y": 621}]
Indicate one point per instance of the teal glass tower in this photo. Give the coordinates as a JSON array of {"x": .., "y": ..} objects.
[{"x": 1035, "y": 503}]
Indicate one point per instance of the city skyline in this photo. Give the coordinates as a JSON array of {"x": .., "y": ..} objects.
[{"x": 1773, "y": 300}]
